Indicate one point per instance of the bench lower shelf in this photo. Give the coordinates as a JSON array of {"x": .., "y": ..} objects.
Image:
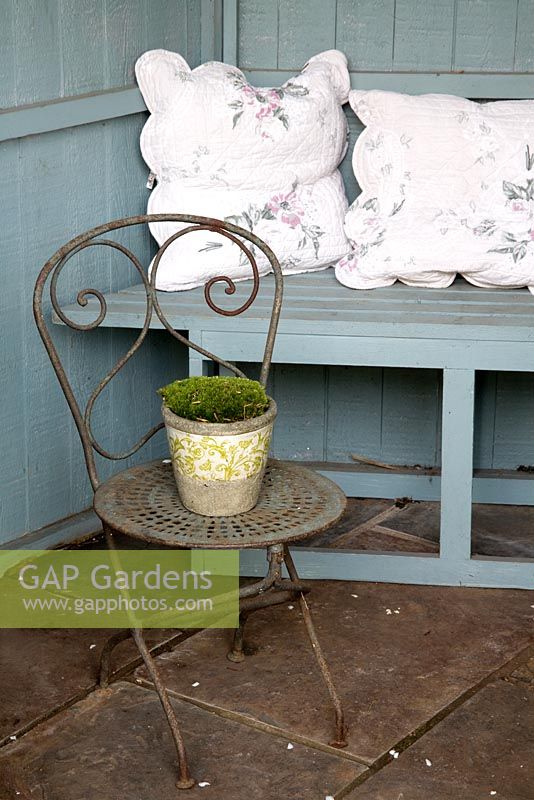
[{"x": 424, "y": 569}]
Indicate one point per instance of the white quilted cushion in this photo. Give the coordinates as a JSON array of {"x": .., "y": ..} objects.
[
  {"x": 447, "y": 187},
  {"x": 264, "y": 159}
]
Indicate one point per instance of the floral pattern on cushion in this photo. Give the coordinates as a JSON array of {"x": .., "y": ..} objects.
[
  {"x": 447, "y": 188},
  {"x": 265, "y": 159}
]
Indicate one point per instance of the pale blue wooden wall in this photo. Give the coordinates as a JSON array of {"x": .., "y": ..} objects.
[
  {"x": 54, "y": 186},
  {"x": 57, "y": 184},
  {"x": 389, "y": 35},
  {"x": 327, "y": 413}
]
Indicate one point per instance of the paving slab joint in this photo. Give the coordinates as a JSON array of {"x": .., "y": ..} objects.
[
  {"x": 256, "y": 724},
  {"x": 120, "y": 673}
]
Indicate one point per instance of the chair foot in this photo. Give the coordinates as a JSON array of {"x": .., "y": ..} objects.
[
  {"x": 237, "y": 653},
  {"x": 340, "y": 739},
  {"x": 185, "y": 781},
  {"x": 236, "y": 656}
]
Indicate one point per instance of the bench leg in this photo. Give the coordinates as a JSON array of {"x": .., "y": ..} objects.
[
  {"x": 457, "y": 464},
  {"x": 198, "y": 365}
]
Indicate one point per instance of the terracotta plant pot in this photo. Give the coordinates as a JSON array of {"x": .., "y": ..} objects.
[{"x": 219, "y": 467}]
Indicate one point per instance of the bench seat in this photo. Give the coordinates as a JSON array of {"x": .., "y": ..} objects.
[
  {"x": 459, "y": 330},
  {"x": 462, "y": 326}
]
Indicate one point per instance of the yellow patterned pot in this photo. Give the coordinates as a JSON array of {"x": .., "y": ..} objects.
[{"x": 219, "y": 467}]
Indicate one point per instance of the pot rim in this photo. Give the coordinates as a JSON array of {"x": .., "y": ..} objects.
[{"x": 172, "y": 420}]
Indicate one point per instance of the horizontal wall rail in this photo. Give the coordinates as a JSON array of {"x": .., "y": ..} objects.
[
  {"x": 479, "y": 85},
  {"x": 68, "y": 112}
]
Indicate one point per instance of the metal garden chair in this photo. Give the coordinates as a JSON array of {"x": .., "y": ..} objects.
[{"x": 294, "y": 503}]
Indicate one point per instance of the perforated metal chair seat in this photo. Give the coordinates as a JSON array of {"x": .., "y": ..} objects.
[{"x": 295, "y": 502}]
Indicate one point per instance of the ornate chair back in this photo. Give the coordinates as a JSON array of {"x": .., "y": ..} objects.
[{"x": 244, "y": 239}]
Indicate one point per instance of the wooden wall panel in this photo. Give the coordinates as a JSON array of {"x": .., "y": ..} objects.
[
  {"x": 514, "y": 421},
  {"x": 364, "y": 32},
  {"x": 485, "y": 408},
  {"x": 13, "y": 418},
  {"x": 305, "y": 27},
  {"x": 423, "y": 34},
  {"x": 62, "y": 48},
  {"x": 88, "y": 354},
  {"x": 193, "y": 19},
  {"x": 167, "y": 27},
  {"x": 524, "y": 51},
  {"x": 45, "y": 209},
  {"x": 410, "y": 417},
  {"x": 35, "y": 33},
  {"x": 126, "y": 36},
  {"x": 415, "y": 35},
  {"x": 54, "y": 186},
  {"x": 7, "y": 56},
  {"x": 258, "y": 35},
  {"x": 83, "y": 67},
  {"x": 300, "y": 393},
  {"x": 485, "y": 35},
  {"x": 354, "y": 413}
]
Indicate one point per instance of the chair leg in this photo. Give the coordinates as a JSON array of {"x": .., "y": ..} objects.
[
  {"x": 185, "y": 781},
  {"x": 104, "y": 672},
  {"x": 341, "y": 728},
  {"x": 237, "y": 653}
]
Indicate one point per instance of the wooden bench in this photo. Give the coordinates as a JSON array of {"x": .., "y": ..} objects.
[{"x": 457, "y": 330}]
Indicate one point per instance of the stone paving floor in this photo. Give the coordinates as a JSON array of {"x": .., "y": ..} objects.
[{"x": 438, "y": 685}]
